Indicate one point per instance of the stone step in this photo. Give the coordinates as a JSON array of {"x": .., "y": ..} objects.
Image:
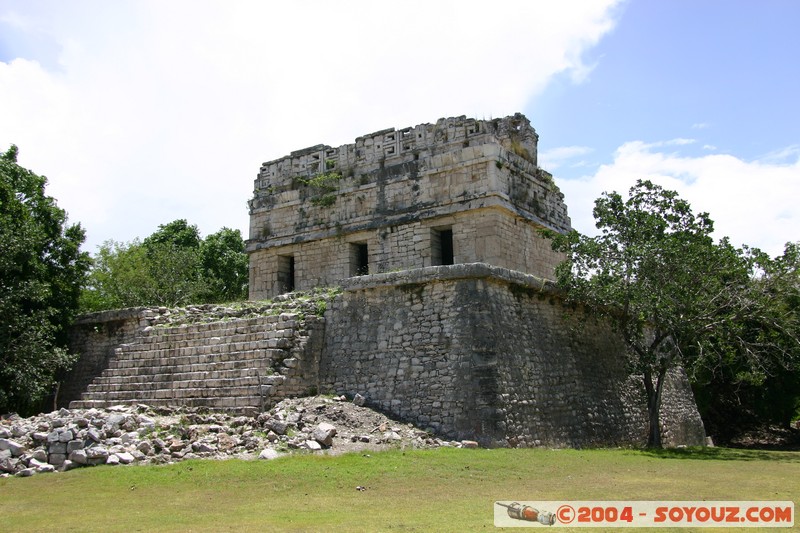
[
  {"x": 165, "y": 381},
  {"x": 160, "y": 342},
  {"x": 138, "y": 352},
  {"x": 226, "y": 327},
  {"x": 166, "y": 376},
  {"x": 124, "y": 364},
  {"x": 199, "y": 364},
  {"x": 226, "y": 365},
  {"x": 199, "y": 358},
  {"x": 245, "y": 378}
]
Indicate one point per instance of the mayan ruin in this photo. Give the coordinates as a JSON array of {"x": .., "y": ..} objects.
[{"x": 440, "y": 310}]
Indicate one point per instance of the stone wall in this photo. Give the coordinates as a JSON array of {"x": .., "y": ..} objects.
[
  {"x": 95, "y": 337},
  {"x": 483, "y": 353}
]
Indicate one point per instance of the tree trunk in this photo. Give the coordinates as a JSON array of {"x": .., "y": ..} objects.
[{"x": 654, "y": 406}]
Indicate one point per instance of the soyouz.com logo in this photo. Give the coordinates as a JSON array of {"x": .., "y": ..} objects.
[{"x": 618, "y": 514}]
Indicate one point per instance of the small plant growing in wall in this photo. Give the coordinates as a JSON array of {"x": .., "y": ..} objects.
[
  {"x": 548, "y": 179},
  {"x": 324, "y": 187},
  {"x": 326, "y": 181},
  {"x": 517, "y": 148},
  {"x": 326, "y": 200}
]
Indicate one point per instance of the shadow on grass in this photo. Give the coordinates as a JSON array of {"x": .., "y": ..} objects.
[{"x": 723, "y": 454}]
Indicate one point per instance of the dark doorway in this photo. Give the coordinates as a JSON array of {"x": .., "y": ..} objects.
[
  {"x": 442, "y": 246},
  {"x": 286, "y": 272},
  {"x": 359, "y": 259}
]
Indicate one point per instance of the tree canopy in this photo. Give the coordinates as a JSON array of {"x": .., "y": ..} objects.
[
  {"x": 676, "y": 296},
  {"x": 759, "y": 383},
  {"x": 174, "y": 266},
  {"x": 42, "y": 271}
]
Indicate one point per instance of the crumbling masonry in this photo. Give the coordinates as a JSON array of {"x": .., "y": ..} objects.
[{"x": 458, "y": 191}]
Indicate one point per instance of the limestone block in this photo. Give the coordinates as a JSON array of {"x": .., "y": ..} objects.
[
  {"x": 313, "y": 445},
  {"x": 124, "y": 457},
  {"x": 56, "y": 459},
  {"x": 269, "y": 454},
  {"x": 324, "y": 433},
  {"x": 39, "y": 454},
  {"x": 79, "y": 457},
  {"x": 93, "y": 453},
  {"x": 57, "y": 447},
  {"x": 14, "y": 447}
]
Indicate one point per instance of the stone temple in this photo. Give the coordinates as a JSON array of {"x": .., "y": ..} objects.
[
  {"x": 458, "y": 191},
  {"x": 445, "y": 316}
]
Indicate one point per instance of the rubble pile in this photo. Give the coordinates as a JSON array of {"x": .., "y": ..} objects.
[{"x": 139, "y": 434}]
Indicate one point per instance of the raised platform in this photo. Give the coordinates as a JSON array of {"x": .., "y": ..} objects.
[{"x": 470, "y": 351}]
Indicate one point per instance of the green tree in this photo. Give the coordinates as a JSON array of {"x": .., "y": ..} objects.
[
  {"x": 171, "y": 267},
  {"x": 760, "y": 384},
  {"x": 135, "y": 274},
  {"x": 177, "y": 233},
  {"x": 41, "y": 273},
  {"x": 225, "y": 265},
  {"x": 676, "y": 297}
]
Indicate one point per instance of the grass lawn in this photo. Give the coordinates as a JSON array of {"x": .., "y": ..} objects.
[{"x": 433, "y": 490}]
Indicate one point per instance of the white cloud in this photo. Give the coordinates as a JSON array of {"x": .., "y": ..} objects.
[
  {"x": 671, "y": 142},
  {"x": 153, "y": 111},
  {"x": 787, "y": 153},
  {"x": 752, "y": 202},
  {"x": 555, "y": 157},
  {"x": 700, "y": 125}
]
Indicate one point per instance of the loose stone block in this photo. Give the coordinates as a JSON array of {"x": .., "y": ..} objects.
[
  {"x": 268, "y": 454},
  {"x": 57, "y": 447},
  {"x": 57, "y": 459},
  {"x": 313, "y": 445},
  {"x": 14, "y": 447},
  {"x": 324, "y": 433}
]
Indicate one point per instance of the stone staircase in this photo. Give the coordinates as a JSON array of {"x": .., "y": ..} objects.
[{"x": 238, "y": 364}]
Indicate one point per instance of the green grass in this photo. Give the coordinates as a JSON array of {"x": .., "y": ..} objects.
[{"x": 435, "y": 490}]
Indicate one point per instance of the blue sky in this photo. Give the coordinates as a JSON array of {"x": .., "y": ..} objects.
[
  {"x": 709, "y": 91},
  {"x": 721, "y": 72},
  {"x": 142, "y": 112}
]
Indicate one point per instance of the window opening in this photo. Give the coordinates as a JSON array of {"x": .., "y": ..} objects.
[
  {"x": 359, "y": 259},
  {"x": 286, "y": 272},
  {"x": 442, "y": 246}
]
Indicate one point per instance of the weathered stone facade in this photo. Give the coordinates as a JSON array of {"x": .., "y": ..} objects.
[
  {"x": 458, "y": 191},
  {"x": 479, "y": 352}
]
